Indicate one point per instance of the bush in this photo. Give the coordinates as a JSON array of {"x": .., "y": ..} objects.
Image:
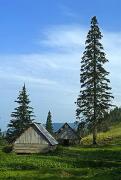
[
  {"x": 2, "y": 141},
  {"x": 7, "y": 149}
]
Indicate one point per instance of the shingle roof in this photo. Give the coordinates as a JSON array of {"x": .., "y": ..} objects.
[{"x": 47, "y": 135}]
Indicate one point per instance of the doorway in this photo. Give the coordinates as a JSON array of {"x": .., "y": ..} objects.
[{"x": 66, "y": 142}]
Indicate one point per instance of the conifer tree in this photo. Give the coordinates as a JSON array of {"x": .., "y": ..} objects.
[
  {"x": 21, "y": 117},
  {"x": 95, "y": 95},
  {"x": 49, "y": 126},
  {"x": 0, "y": 133}
]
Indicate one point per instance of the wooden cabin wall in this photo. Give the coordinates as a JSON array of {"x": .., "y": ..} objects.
[
  {"x": 66, "y": 133},
  {"x": 30, "y": 136},
  {"x": 30, "y": 148},
  {"x": 31, "y": 142}
]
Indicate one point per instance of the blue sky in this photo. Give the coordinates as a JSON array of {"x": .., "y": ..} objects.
[{"x": 41, "y": 44}]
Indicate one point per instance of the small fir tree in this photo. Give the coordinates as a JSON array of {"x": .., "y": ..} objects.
[
  {"x": 0, "y": 134},
  {"x": 21, "y": 117},
  {"x": 95, "y": 97},
  {"x": 49, "y": 126}
]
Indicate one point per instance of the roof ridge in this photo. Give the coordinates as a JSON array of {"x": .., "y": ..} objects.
[{"x": 48, "y": 136}]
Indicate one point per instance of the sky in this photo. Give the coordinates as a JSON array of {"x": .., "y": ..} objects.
[{"x": 41, "y": 44}]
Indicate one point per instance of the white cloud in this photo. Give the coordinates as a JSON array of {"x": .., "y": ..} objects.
[
  {"x": 55, "y": 72},
  {"x": 61, "y": 65},
  {"x": 26, "y": 78},
  {"x": 69, "y": 37}
]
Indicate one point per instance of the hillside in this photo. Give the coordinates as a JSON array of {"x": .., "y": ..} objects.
[
  {"x": 74, "y": 162},
  {"x": 113, "y": 136},
  {"x": 99, "y": 163}
]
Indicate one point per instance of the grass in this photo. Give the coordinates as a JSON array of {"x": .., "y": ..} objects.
[
  {"x": 102, "y": 162},
  {"x": 66, "y": 163},
  {"x": 113, "y": 136}
]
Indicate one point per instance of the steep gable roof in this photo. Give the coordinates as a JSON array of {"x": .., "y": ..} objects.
[
  {"x": 66, "y": 131},
  {"x": 45, "y": 133}
]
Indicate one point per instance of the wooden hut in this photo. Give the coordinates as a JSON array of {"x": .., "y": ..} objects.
[
  {"x": 67, "y": 136},
  {"x": 35, "y": 139}
]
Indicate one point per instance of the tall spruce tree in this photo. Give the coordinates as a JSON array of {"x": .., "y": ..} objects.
[
  {"x": 49, "y": 126},
  {"x": 21, "y": 117},
  {"x": 95, "y": 96}
]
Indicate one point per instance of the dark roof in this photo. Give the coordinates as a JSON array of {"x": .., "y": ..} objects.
[
  {"x": 45, "y": 133},
  {"x": 62, "y": 128},
  {"x": 57, "y": 126}
]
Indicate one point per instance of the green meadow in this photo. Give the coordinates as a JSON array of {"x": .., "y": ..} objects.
[
  {"x": 102, "y": 162},
  {"x": 65, "y": 163}
]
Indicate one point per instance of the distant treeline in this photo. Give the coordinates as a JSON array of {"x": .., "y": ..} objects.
[{"x": 110, "y": 119}]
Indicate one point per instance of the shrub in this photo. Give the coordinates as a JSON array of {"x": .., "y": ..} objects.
[{"x": 7, "y": 149}]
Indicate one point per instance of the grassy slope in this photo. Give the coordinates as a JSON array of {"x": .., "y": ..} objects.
[
  {"x": 113, "y": 136},
  {"x": 92, "y": 163},
  {"x": 66, "y": 163}
]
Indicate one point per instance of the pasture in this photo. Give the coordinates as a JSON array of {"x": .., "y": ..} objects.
[{"x": 76, "y": 162}]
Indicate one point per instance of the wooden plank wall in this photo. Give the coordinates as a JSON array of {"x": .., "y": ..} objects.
[
  {"x": 30, "y": 136},
  {"x": 30, "y": 148},
  {"x": 31, "y": 142},
  {"x": 66, "y": 133}
]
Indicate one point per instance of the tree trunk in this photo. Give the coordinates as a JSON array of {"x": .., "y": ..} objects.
[
  {"x": 95, "y": 98},
  {"x": 94, "y": 135}
]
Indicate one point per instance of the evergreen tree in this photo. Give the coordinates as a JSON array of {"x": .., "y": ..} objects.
[
  {"x": 1, "y": 137},
  {"x": 113, "y": 117},
  {"x": 0, "y": 134},
  {"x": 95, "y": 97},
  {"x": 21, "y": 117},
  {"x": 81, "y": 129},
  {"x": 49, "y": 126}
]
